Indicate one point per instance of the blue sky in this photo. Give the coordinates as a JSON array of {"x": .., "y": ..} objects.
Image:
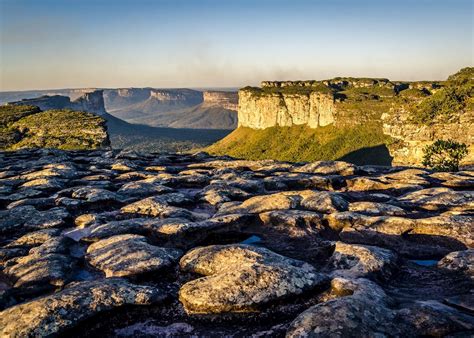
[{"x": 207, "y": 43}]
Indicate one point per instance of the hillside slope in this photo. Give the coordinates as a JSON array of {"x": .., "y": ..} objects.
[
  {"x": 360, "y": 145},
  {"x": 29, "y": 127}
]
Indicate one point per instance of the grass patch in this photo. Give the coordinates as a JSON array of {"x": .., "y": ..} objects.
[{"x": 301, "y": 143}]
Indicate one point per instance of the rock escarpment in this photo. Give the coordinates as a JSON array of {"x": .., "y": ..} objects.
[
  {"x": 448, "y": 114},
  {"x": 359, "y": 115},
  {"x": 226, "y": 100},
  {"x": 89, "y": 101},
  {"x": 214, "y": 246},
  {"x": 285, "y": 110}
]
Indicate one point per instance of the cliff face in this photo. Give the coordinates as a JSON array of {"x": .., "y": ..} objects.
[
  {"x": 285, "y": 110},
  {"x": 92, "y": 102},
  {"x": 411, "y": 138},
  {"x": 226, "y": 100},
  {"x": 359, "y": 114},
  {"x": 176, "y": 96}
]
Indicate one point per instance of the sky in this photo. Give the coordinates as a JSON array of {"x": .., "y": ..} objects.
[{"x": 47, "y": 44}]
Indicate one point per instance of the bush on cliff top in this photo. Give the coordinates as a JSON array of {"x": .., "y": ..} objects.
[
  {"x": 360, "y": 144},
  {"x": 444, "y": 155}
]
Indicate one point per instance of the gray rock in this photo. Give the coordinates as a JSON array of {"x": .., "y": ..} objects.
[
  {"x": 328, "y": 168},
  {"x": 460, "y": 261},
  {"x": 376, "y": 209},
  {"x": 440, "y": 199},
  {"x": 143, "y": 188},
  {"x": 128, "y": 255},
  {"x": 242, "y": 277},
  {"x": 39, "y": 270},
  {"x": 355, "y": 261},
  {"x": 53, "y": 314}
]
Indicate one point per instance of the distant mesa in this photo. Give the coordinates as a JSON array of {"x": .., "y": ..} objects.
[
  {"x": 332, "y": 119},
  {"x": 227, "y": 100},
  {"x": 92, "y": 102}
]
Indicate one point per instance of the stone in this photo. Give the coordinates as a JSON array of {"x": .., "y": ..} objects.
[
  {"x": 361, "y": 309},
  {"x": 157, "y": 206},
  {"x": 95, "y": 195},
  {"x": 143, "y": 188},
  {"x": 294, "y": 223},
  {"x": 129, "y": 255},
  {"x": 328, "y": 168},
  {"x": 376, "y": 209},
  {"x": 39, "y": 270},
  {"x": 242, "y": 277},
  {"x": 215, "y": 194},
  {"x": 53, "y": 314},
  {"x": 432, "y": 236},
  {"x": 323, "y": 201},
  {"x": 459, "y": 261},
  {"x": 440, "y": 199},
  {"x": 35, "y": 238},
  {"x": 355, "y": 261}
]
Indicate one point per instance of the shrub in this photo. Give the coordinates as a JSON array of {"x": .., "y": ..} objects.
[{"x": 444, "y": 155}]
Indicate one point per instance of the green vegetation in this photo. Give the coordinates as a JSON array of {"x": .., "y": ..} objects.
[
  {"x": 448, "y": 101},
  {"x": 444, "y": 155},
  {"x": 299, "y": 90},
  {"x": 361, "y": 144},
  {"x": 28, "y": 127}
]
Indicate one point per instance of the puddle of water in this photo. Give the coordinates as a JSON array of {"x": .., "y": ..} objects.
[
  {"x": 426, "y": 262},
  {"x": 84, "y": 275},
  {"x": 252, "y": 240},
  {"x": 148, "y": 328},
  {"x": 76, "y": 234}
]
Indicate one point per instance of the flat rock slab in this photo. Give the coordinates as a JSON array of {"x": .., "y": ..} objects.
[
  {"x": 53, "y": 314},
  {"x": 320, "y": 201},
  {"x": 362, "y": 309},
  {"x": 461, "y": 261},
  {"x": 39, "y": 270},
  {"x": 241, "y": 277},
  {"x": 354, "y": 261},
  {"x": 128, "y": 255}
]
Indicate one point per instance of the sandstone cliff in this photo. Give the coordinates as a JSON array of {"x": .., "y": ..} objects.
[
  {"x": 411, "y": 138},
  {"x": 448, "y": 114},
  {"x": 226, "y": 100},
  {"x": 414, "y": 114},
  {"x": 92, "y": 102},
  {"x": 285, "y": 110}
]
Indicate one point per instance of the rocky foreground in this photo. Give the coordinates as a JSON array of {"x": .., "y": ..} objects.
[{"x": 100, "y": 243}]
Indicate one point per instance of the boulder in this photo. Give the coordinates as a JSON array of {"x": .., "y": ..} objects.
[
  {"x": 355, "y": 261},
  {"x": 241, "y": 278},
  {"x": 459, "y": 261},
  {"x": 55, "y": 313},
  {"x": 129, "y": 255}
]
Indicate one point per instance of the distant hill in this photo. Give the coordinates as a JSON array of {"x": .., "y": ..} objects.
[
  {"x": 29, "y": 127},
  {"x": 177, "y": 108},
  {"x": 126, "y": 135},
  {"x": 174, "y": 108}
]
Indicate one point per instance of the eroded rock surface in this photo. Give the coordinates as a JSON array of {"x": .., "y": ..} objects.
[
  {"x": 241, "y": 277},
  {"x": 270, "y": 248}
]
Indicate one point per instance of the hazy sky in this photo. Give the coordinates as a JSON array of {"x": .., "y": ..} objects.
[{"x": 228, "y": 43}]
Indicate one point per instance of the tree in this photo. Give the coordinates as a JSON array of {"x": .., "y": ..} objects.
[{"x": 444, "y": 155}]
